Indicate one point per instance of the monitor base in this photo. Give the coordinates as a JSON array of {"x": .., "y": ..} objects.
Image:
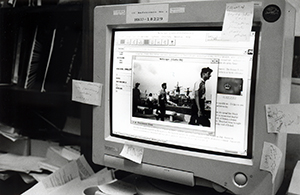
[{"x": 150, "y": 186}]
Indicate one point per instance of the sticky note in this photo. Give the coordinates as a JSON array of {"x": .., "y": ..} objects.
[
  {"x": 238, "y": 21},
  {"x": 87, "y": 92},
  {"x": 133, "y": 153},
  {"x": 283, "y": 118},
  {"x": 270, "y": 160}
]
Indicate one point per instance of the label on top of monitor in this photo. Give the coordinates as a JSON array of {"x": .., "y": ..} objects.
[{"x": 147, "y": 13}]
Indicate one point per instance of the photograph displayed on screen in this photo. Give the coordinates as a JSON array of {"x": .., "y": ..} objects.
[
  {"x": 232, "y": 86},
  {"x": 168, "y": 89},
  {"x": 187, "y": 88}
]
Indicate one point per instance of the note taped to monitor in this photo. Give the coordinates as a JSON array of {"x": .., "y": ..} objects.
[
  {"x": 238, "y": 21},
  {"x": 133, "y": 153},
  {"x": 270, "y": 159},
  {"x": 283, "y": 118},
  {"x": 87, "y": 92}
]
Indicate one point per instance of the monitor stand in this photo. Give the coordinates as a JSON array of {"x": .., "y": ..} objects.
[{"x": 151, "y": 186}]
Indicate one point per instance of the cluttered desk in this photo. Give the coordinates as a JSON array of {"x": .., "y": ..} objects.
[{"x": 77, "y": 177}]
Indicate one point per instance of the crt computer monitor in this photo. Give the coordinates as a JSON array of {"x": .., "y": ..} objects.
[{"x": 146, "y": 45}]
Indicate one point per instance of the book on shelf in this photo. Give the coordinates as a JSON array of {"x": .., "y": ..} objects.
[
  {"x": 16, "y": 60},
  {"x": 65, "y": 60},
  {"x": 39, "y": 57},
  {"x": 24, "y": 47},
  {"x": 46, "y": 57}
]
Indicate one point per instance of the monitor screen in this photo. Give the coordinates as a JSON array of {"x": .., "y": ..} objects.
[{"x": 183, "y": 87}]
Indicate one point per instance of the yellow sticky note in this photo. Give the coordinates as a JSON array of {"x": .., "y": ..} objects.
[
  {"x": 87, "y": 92},
  {"x": 133, "y": 153},
  {"x": 270, "y": 160},
  {"x": 283, "y": 118},
  {"x": 238, "y": 21}
]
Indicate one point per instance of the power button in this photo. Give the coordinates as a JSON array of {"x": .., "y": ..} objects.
[{"x": 240, "y": 179}]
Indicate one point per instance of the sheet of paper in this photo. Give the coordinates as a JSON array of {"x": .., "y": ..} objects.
[
  {"x": 62, "y": 176},
  {"x": 38, "y": 189},
  {"x": 12, "y": 136},
  {"x": 46, "y": 165},
  {"x": 238, "y": 21},
  {"x": 283, "y": 118},
  {"x": 70, "y": 153},
  {"x": 75, "y": 186},
  {"x": 27, "y": 178},
  {"x": 78, "y": 168},
  {"x": 104, "y": 176},
  {"x": 20, "y": 163},
  {"x": 133, "y": 153},
  {"x": 9, "y": 132},
  {"x": 7, "y": 129},
  {"x": 87, "y": 92},
  {"x": 270, "y": 160},
  {"x": 84, "y": 169},
  {"x": 39, "y": 176}
]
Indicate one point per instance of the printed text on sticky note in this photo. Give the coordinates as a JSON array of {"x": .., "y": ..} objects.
[
  {"x": 283, "y": 118},
  {"x": 270, "y": 160},
  {"x": 133, "y": 153},
  {"x": 87, "y": 92},
  {"x": 238, "y": 20}
]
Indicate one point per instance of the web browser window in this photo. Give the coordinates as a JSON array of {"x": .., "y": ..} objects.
[{"x": 156, "y": 83}]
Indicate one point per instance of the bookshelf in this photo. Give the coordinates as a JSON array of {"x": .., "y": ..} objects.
[{"x": 40, "y": 54}]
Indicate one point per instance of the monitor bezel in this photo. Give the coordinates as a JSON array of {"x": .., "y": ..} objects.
[{"x": 272, "y": 62}]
